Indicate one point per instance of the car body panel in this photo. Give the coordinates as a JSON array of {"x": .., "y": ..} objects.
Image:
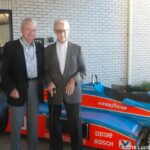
[{"x": 108, "y": 123}]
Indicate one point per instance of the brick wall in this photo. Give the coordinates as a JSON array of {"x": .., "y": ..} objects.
[
  {"x": 141, "y": 41},
  {"x": 99, "y": 26}
]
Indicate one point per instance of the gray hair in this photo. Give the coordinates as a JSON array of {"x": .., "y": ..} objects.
[
  {"x": 26, "y": 20},
  {"x": 61, "y": 21}
]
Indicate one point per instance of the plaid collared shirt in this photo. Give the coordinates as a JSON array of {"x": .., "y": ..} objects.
[{"x": 30, "y": 58}]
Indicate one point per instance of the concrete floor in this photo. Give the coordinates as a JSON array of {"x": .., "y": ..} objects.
[{"x": 43, "y": 144}]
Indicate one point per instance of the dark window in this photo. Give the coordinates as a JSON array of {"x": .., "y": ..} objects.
[{"x": 5, "y": 26}]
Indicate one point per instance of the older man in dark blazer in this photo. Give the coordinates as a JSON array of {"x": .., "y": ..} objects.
[
  {"x": 64, "y": 72},
  {"x": 22, "y": 74}
]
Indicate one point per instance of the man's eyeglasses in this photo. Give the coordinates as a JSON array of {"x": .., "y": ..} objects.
[{"x": 60, "y": 31}]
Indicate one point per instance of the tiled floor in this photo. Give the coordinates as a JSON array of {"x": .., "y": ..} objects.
[{"x": 43, "y": 144}]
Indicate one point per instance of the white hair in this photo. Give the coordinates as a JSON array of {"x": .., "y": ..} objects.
[
  {"x": 61, "y": 21},
  {"x": 28, "y": 19}
]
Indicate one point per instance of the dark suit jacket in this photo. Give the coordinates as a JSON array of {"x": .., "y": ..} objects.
[
  {"x": 74, "y": 67},
  {"x": 1, "y": 61},
  {"x": 14, "y": 72}
]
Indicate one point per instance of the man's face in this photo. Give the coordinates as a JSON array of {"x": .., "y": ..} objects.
[
  {"x": 29, "y": 31},
  {"x": 62, "y": 31}
]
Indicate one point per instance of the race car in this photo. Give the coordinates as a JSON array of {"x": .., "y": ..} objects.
[{"x": 111, "y": 120}]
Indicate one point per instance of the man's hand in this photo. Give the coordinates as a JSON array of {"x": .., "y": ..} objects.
[
  {"x": 70, "y": 86},
  {"x": 51, "y": 88},
  {"x": 14, "y": 94}
]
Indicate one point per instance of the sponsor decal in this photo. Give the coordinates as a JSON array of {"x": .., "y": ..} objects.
[
  {"x": 103, "y": 134},
  {"x": 112, "y": 105},
  {"x": 124, "y": 144},
  {"x": 103, "y": 142}
]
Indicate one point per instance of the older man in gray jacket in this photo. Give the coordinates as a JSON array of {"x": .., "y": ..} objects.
[{"x": 64, "y": 72}]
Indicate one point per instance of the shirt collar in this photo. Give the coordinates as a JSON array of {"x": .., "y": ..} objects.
[
  {"x": 26, "y": 44},
  {"x": 60, "y": 44}
]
